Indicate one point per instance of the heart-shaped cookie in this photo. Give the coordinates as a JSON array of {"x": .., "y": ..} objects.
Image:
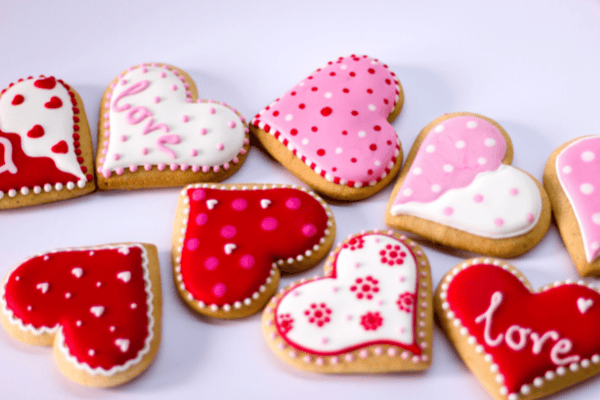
[
  {"x": 459, "y": 189},
  {"x": 100, "y": 307},
  {"x": 230, "y": 241},
  {"x": 371, "y": 312},
  {"x": 332, "y": 130},
  {"x": 45, "y": 143},
  {"x": 519, "y": 344},
  {"x": 572, "y": 179},
  {"x": 154, "y": 132}
]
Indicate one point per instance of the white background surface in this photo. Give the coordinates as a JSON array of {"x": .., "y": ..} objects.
[{"x": 534, "y": 66}]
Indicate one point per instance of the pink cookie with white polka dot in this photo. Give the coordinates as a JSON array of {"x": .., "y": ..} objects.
[
  {"x": 155, "y": 132},
  {"x": 459, "y": 189},
  {"x": 371, "y": 312},
  {"x": 332, "y": 130},
  {"x": 572, "y": 179}
]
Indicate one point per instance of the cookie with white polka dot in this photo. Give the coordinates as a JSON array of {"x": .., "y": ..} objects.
[
  {"x": 458, "y": 188},
  {"x": 371, "y": 312},
  {"x": 99, "y": 307},
  {"x": 332, "y": 130},
  {"x": 572, "y": 179},
  {"x": 153, "y": 131},
  {"x": 45, "y": 143},
  {"x": 230, "y": 243}
]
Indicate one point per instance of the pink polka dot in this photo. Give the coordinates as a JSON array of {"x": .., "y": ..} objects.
[
  {"x": 309, "y": 230},
  {"x": 211, "y": 263},
  {"x": 219, "y": 290},
  {"x": 198, "y": 194},
  {"x": 478, "y": 198},
  {"x": 247, "y": 261},
  {"x": 192, "y": 244},
  {"x": 268, "y": 224},
  {"x": 201, "y": 219},
  {"x": 499, "y": 222},
  {"x": 293, "y": 203},
  {"x": 448, "y": 211},
  {"x": 228, "y": 231},
  {"x": 514, "y": 191},
  {"x": 239, "y": 204},
  {"x": 530, "y": 218}
]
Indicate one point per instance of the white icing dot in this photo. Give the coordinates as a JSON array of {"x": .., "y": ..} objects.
[
  {"x": 460, "y": 144},
  {"x": 481, "y": 161},
  {"x": 448, "y": 168},
  {"x": 436, "y": 188},
  {"x": 586, "y": 188},
  {"x": 377, "y": 163},
  {"x": 439, "y": 128},
  {"x": 338, "y": 150},
  {"x": 328, "y": 95},
  {"x": 417, "y": 171},
  {"x": 91, "y": 353},
  {"x": 587, "y": 156},
  {"x": 567, "y": 170},
  {"x": 407, "y": 192},
  {"x": 595, "y": 246},
  {"x": 430, "y": 148},
  {"x": 343, "y": 66},
  {"x": 471, "y": 124},
  {"x": 489, "y": 142},
  {"x": 362, "y": 134},
  {"x": 305, "y": 141},
  {"x": 596, "y": 218},
  {"x": 371, "y": 107},
  {"x": 289, "y": 117}
]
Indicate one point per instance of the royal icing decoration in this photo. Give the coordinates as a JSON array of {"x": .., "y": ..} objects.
[
  {"x": 231, "y": 245},
  {"x": 527, "y": 338},
  {"x": 86, "y": 297},
  {"x": 39, "y": 139},
  {"x": 577, "y": 167},
  {"x": 153, "y": 120},
  {"x": 457, "y": 179},
  {"x": 335, "y": 121}
]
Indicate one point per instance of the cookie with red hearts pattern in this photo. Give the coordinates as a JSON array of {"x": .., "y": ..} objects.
[
  {"x": 332, "y": 130},
  {"x": 520, "y": 343},
  {"x": 371, "y": 312},
  {"x": 231, "y": 241},
  {"x": 45, "y": 143},
  {"x": 99, "y": 307}
]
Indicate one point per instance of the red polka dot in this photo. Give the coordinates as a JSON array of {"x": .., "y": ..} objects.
[
  {"x": 332, "y": 74},
  {"x": 353, "y": 159},
  {"x": 371, "y": 71},
  {"x": 334, "y": 169},
  {"x": 373, "y": 147},
  {"x": 346, "y": 90},
  {"x": 275, "y": 113},
  {"x": 354, "y": 112},
  {"x": 301, "y": 106},
  {"x": 388, "y": 81},
  {"x": 370, "y": 91},
  {"x": 389, "y": 142},
  {"x": 386, "y": 101},
  {"x": 326, "y": 111},
  {"x": 344, "y": 133},
  {"x": 314, "y": 129},
  {"x": 293, "y": 93},
  {"x": 294, "y": 132},
  {"x": 377, "y": 128},
  {"x": 321, "y": 152},
  {"x": 370, "y": 172},
  {"x": 314, "y": 88},
  {"x": 310, "y": 77},
  {"x": 352, "y": 74}
]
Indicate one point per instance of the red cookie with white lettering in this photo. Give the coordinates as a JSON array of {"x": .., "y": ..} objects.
[
  {"x": 99, "y": 307},
  {"x": 371, "y": 312},
  {"x": 231, "y": 241},
  {"x": 45, "y": 143},
  {"x": 520, "y": 344},
  {"x": 332, "y": 130},
  {"x": 153, "y": 131}
]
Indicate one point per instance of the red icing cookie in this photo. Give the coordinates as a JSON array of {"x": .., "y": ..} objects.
[
  {"x": 520, "y": 344},
  {"x": 99, "y": 306},
  {"x": 229, "y": 241},
  {"x": 45, "y": 143},
  {"x": 371, "y": 312}
]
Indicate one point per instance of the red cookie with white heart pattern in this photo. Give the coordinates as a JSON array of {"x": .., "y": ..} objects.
[
  {"x": 520, "y": 344},
  {"x": 153, "y": 131},
  {"x": 99, "y": 307},
  {"x": 45, "y": 143},
  {"x": 371, "y": 312},
  {"x": 230, "y": 241},
  {"x": 332, "y": 130}
]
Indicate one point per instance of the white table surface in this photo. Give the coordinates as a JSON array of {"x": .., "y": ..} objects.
[{"x": 534, "y": 66}]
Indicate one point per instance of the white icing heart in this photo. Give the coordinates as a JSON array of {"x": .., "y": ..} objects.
[
  {"x": 43, "y": 287},
  {"x": 368, "y": 300},
  {"x": 264, "y": 203},
  {"x": 125, "y": 276},
  {"x": 97, "y": 311},
  {"x": 210, "y": 204},
  {"x": 122, "y": 344},
  {"x": 77, "y": 272},
  {"x": 584, "y": 304},
  {"x": 229, "y": 248},
  {"x": 8, "y": 162}
]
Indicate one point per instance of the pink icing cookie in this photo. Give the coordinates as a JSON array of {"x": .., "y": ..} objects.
[
  {"x": 333, "y": 130},
  {"x": 459, "y": 189},
  {"x": 371, "y": 312},
  {"x": 572, "y": 180}
]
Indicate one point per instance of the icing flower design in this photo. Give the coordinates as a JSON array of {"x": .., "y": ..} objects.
[
  {"x": 371, "y": 321},
  {"x": 318, "y": 314},
  {"x": 406, "y": 302},
  {"x": 355, "y": 243},
  {"x": 392, "y": 255},
  {"x": 286, "y": 322},
  {"x": 365, "y": 288}
]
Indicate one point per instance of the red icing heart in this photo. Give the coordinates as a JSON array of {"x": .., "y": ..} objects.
[
  {"x": 47, "y": 83},
  {"x": 484, "y": 297},
  {"x": 234, "y": 236},
  {"x": 18, "y": 99},
  {"x": 55, "y": 102},
  {"x": 60, "y": 147},
  {"x": 98, "y": 300},
  {"x": 36, "y": 132}
]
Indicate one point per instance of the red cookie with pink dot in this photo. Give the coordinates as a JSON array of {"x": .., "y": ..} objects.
[
  {"x": 230, "y": 242},
  {"x": 333, "y": 130}
]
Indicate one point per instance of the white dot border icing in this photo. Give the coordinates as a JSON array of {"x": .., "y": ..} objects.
[
  {"x": 455, "y": 324},
  {"x": 57, "y": 329},
  {"x": 247, "y": 302}
]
